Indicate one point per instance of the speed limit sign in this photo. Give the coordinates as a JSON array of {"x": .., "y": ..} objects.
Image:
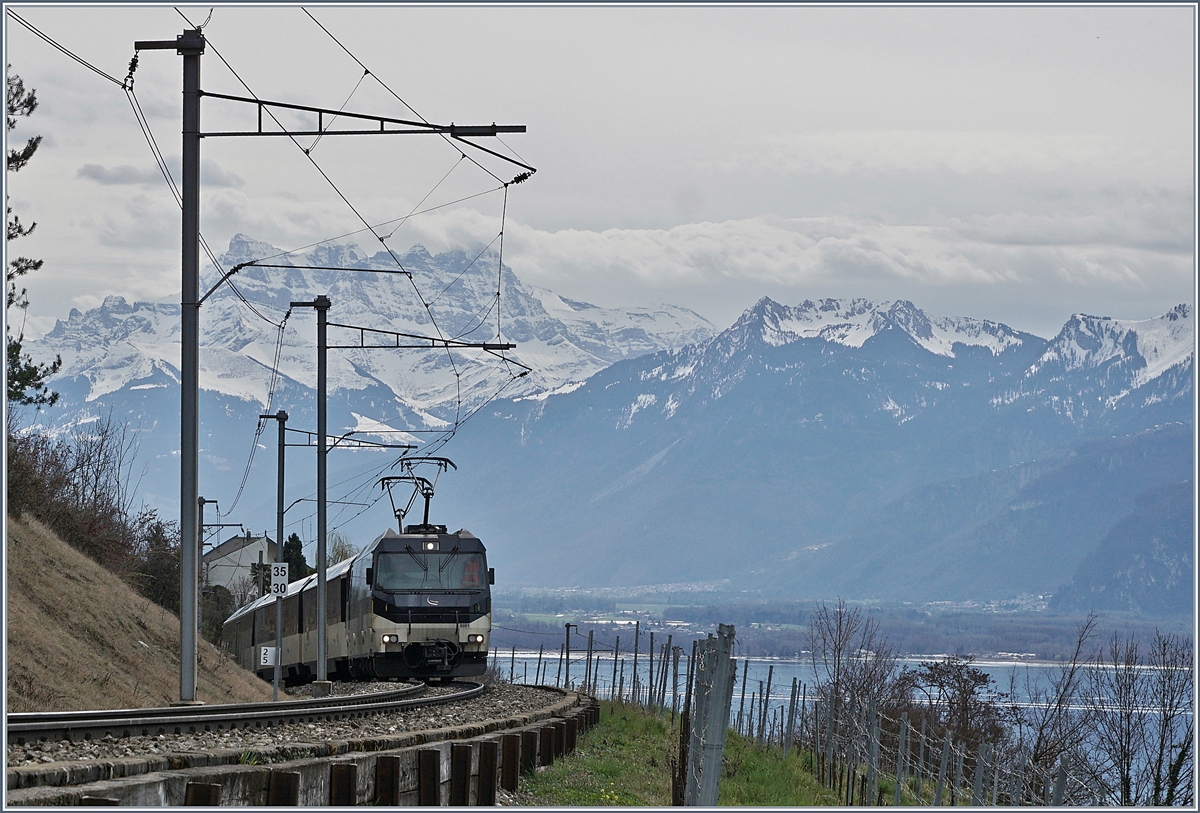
[
  {"x": 266, "y": 656},
  {"x": 279, "y": 579}
]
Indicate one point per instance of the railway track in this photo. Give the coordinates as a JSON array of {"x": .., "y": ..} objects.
[{"x": 31, "y": 727}]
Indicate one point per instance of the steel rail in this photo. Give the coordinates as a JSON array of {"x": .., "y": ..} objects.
[
  {"x": 50, "y": 717},
  {"x": 28, "y": 727}
]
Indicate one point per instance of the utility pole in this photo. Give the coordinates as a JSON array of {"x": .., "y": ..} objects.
[
  {"x": 200, "y": 503},
  {"x": 281, "y": 417},
  {"x": 321, "y": 304},
  {"x": 189, "y": 45}
]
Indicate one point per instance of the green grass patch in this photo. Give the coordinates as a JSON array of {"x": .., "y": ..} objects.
[
  {"x": 766, "y": 778},
  {"x": 626, "y": 761}
]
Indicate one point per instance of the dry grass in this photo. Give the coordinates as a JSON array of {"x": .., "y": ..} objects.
[{"x": 80, "y": 638}]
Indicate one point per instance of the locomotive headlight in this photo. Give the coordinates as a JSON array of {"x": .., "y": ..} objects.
[
  {"x": 431, "y": 545},
  {"x": 474, "y": 639},
  {"x": 391, "y": 639}
]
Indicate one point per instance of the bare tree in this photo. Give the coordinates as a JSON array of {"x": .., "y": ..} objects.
[
  {"x": 1140, "y": 722},
  {"x": 340, "y": 548},
  {"x": 960, "y": 699},
  {"x": 851, "y": 656},
  {"x": 1171, "y": 739},
  {"x": 1116, "y": 695},
  {"x": 244, "y": 590},
  {"x": 1052, "y": 723}
]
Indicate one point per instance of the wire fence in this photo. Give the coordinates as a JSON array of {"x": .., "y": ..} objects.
[{"x": 865, "y": 755}]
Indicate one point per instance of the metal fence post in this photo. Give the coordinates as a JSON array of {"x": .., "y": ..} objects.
[
  {"x": 977, "y": 785},
  {"x": 1060, "y": 782},
  {"x": 941, "y": 780}
]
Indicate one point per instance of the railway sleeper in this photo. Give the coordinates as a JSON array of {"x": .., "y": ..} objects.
[{"x": 347, "y": 775}]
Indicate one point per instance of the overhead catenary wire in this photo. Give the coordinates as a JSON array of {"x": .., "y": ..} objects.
[
  {"x": 357, "y": 84},
  {"x": 262, "y": 422},
  {"x": 367, "y": 480},
  {"x": 366, "y": 71},
  {"x": 459, "y": 417},
  {"x": 400, "y": 223},
  {"x": 333, "y": 185},
  {"x": 343, "y": 236},
  {"x": 163, "y": 166},
  {"x": 144, "y": 126},
  {"x": 427, "y": 305},
  {"x": 64, "y": 49},
  {"x": 396, "y": 95}
]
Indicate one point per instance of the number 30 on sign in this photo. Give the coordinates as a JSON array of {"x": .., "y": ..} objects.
[
  {"x": 279, "y": 579},
  {"x": 266, "y": 656}
]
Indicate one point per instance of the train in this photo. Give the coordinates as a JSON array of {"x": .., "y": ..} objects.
[{"x": 411, "y": 605}]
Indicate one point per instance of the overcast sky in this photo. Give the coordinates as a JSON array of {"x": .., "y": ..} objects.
[{"x": 1018, "y": 164}]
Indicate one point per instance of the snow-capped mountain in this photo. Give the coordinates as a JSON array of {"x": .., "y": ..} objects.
[
  {"x": 852, "y": 322},
  {"x": 1150, "y": 346},
  {"x": 455, "y": 295},
  {"x": 806, "y": 448},
  {"x": 1097, "y": 364},
  {"x": 825, "y": 446},
  {"x": 812, "y": 338}
]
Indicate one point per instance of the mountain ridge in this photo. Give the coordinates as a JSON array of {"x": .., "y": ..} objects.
[{"x": 801, "y": 423}]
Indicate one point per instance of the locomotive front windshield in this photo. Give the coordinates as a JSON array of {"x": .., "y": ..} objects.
[{"x": 420, "y": 570}]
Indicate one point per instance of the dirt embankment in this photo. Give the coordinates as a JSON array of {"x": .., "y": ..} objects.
[{"x": 79, "y": 638}]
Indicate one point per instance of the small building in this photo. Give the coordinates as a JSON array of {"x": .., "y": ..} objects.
[{"x": 230, "y": 562}]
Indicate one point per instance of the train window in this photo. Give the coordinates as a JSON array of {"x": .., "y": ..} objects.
[
  {"x": 345, "y": 582},
  {"x": 310, "y": 609},
  {"x": 442, "y": 570},
  {"x": 264, "y": 621},
  {"x": 291, "y": 617},
  {"x": 333, "y": 598}
]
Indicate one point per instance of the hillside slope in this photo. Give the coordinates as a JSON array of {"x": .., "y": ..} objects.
[
  {"x": 1145, "y": 561},
  {"x": 79, "y": 638}
]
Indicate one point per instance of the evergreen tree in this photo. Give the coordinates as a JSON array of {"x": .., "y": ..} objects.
[
  {"x": 293, "y": 554},
  {"x": 26, "y": 378}
]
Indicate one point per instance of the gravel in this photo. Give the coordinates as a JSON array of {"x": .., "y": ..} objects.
[{"x": 498, "y": 702}]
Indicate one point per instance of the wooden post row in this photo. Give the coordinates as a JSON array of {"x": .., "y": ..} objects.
[
  {"x": 202, "y": 794},
  {"x": 510, "y": 764},
  {"x": 529, "y": 751},
  {"x": 460, "y": 775},
  {"x": 489, "y": 752},
  {"x": 560, "y": 738},
  {"x": 429, "y": 777},
  {"x": 387, "y": 780},
  {"x": 546, "y": 745},
  {"x": 343, "y": 784}
]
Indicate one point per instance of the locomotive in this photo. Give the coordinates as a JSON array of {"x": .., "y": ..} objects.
[{"x": 416, "y": 604}]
